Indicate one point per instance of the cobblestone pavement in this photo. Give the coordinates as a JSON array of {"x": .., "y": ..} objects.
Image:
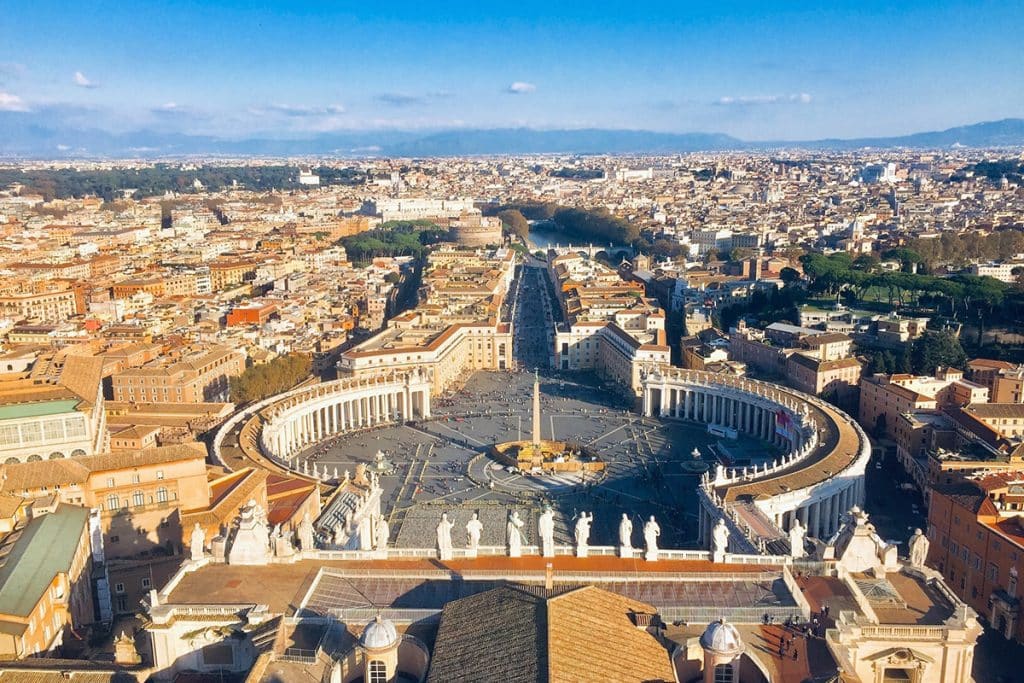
[{"x": 440, "y": 465}]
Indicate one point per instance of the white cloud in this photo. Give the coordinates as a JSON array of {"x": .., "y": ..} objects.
[
  {"x": 82, "y": 82},
  {"x": 521, "y": 88},
  {"x": 9, "y": 102},
  {"x": 751, "y": 100},
  {"x": 299, "y": 110}
]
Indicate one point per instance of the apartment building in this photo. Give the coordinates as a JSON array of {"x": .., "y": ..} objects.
[
  {"x": 1005, "y": 381},
  {"x": 196, "y": 376},
  {"x": 977, "y": 543},
  {"x": 883, "y": 398},
  {"x": 47, "y": 307}
]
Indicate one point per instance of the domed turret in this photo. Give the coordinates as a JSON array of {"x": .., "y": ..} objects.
[
  {"x": 721, "y": 638},
  {"x": 379, "y": 634},
  {"x": 723, "y": 649}
]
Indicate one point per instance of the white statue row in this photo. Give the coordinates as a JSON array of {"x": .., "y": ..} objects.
[{"x": 514, "y": 536}]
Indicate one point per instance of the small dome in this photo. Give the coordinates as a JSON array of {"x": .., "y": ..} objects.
[
  {"x": 379, "y": 634},
  {"x": 721, "y": 637}
]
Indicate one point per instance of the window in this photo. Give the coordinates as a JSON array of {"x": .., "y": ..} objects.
[
  {"x": 138, "y": 500},
  {"x": 110, "y": 482},
  {"x": 115, "y": 539},
  {"x": 379, "y": 672},
  {"x": 145, "y": 582},
  {"x": 119, "y": 588},
  {"x": 112, "y": 502},
  {"x": 993, "y": 573},
  {"x": 723, "y": 673},
  {"x": 159, "y": 474},
  {"x": 161, "y": 495},
  {"x": 135, "y": 478}
]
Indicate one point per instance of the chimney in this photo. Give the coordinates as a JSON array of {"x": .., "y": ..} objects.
[{"x": 549, "y": 576}]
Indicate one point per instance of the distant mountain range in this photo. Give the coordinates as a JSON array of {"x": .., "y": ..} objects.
[{"x": 23, "y": 136}]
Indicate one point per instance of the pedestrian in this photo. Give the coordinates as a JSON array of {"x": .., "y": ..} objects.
[{"x": 794, "y": 654}]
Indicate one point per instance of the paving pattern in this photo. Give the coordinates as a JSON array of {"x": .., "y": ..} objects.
[{"x": 440, "y": 464}]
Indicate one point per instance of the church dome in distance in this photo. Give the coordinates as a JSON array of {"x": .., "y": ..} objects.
[
  {"x": 721, "y": 637},
  {"x": 379, "y": 634}
]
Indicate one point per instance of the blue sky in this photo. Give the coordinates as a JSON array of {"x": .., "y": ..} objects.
[{"x": 759, "y": 70}]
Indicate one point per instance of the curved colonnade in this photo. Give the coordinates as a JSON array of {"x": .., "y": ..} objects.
[
  {"x": 819, "y": 478},
  {"x": 281, "y": 426}
]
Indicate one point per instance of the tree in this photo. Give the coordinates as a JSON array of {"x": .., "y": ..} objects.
[
  {"x": 789, "y": 275},
  {"x": 515, "y": 222},
  {"x": 934, "y": 349},
  {"x": 740, "y": 253},
  {"x": 262, "y": 381}
]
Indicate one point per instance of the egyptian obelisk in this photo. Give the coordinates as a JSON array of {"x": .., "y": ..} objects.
[{"x": 536, "y": 410}]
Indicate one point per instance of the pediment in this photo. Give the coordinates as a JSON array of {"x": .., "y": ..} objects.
[{"x": 899, "y": 655}]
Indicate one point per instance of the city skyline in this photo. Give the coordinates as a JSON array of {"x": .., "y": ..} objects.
[{"x": 754, "y": 72}]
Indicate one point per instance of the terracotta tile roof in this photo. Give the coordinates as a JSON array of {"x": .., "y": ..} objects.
[
  {"x": 592, "y": 637},
  {"x": 518, "y": 634},
  {"x": 63, "y": 471}
]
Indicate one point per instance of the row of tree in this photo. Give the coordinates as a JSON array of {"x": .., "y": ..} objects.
[
  {"x": 261, "y": 381},
  {"x": 928, "y": 352},
  {"x": 394, "y": 238},
  {"x": 110, "y": 184},
  {"x": 960, "y": 296},
  {"x": 599, "y": 225}
]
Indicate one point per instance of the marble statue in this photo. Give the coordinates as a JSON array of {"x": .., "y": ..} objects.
[
  {"x": 444, "y": 537},
  {"x": 383, "y": 532},
  {"x": 546, "y": 530},
  {"x": 720, "y": 539},
  {"x": 306, "y": 532},
  {"x": 625, "y": 535},
  {"x": 338, "y": 534},
  {"x": 918, "y": 548},
  {"x": 515, "y": 536},
  {"x": 796, "y": 540},
  {"x": 583, "y": 523},
  {"x": 474, "y": 527},
  {"x": 651, "y": 533},
  {"x": 197, "y": 541}
]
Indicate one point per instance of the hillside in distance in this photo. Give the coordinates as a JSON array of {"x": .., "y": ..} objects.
[{"x": 22, "y": 136}]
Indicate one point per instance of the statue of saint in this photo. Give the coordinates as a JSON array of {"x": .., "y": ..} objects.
[
  {"x": 515, "y": 536},
  {"x": 474, "y": 527},
  {"x": 651, "y": 533},
  {"x": 306, "y": 532},
  {"x": 383, "y": 532},
  {"x": 918, "y": 548},
  {"x": 196, "y": 542},
  {"x": 546, "y": 529},
  {"x": 720, "y": 537},
  {"x": 796, "y": 540},
  {"x": 338, "y": 537},
  {"x": 626, "y": 532},
  {"x": 583, "y": 523},
  {"x": 444, "y": 537}
]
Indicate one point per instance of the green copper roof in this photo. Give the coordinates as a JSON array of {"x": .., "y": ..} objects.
[
  {"x": 46, "y": 547},
  {"x": 22, "y": 410}
]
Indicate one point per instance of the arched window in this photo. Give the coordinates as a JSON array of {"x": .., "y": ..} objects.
[
  {"x": 77, "y": 453},
  {"x": 112, "y": 502},
  {"x": 56, "y": 455},
  {"x": 724, "y": 673},
  {"x": 379, "y": 672},
  {"x": 35, "y": 458},
  {"x": 138, "y": 500},
  {"x": 161, "y": 495}
]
